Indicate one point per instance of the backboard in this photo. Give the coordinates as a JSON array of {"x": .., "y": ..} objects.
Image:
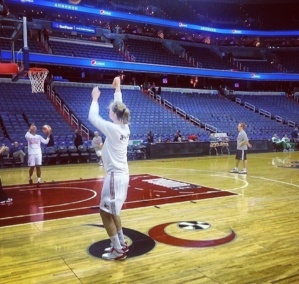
[{"x": 14, "y": 51}]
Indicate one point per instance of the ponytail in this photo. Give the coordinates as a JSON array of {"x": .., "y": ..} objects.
[{"x": 122, "y": 112}]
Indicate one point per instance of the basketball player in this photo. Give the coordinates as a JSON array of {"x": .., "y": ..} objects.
[
  {"x": 35, "y": 152},
  {"x": 114, "y": 155},
  {"x": 242, "y": 147},
  {"x": 97, "y": 144}
]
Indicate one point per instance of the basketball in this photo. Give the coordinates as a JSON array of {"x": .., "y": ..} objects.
[{"x": 47, "y": 129}]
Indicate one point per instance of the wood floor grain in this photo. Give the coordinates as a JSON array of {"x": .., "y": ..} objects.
[{"x": 264, "y": 216}]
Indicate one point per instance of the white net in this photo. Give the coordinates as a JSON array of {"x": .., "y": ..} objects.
[{"x": 37, "y": 78}]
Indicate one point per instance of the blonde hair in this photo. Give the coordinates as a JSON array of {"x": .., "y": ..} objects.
[{"x": 121, "y": 111}]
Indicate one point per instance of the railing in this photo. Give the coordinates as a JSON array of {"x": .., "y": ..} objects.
[
  {"x": 291, "y": 123},
  {"x": 278, "y": 118},
  {"x": 159, "y": 99},
  {"x": 151, "y": 93},
  {"x": 51, "y": 95},
  {"x": 58, "y": 102},
  {"x": 71, "y": 118},
  {"x": 66, "y": 112},
  {"x": 192, "y": 60},
  {"x": 238, "y": 100},
  {"x": 181, "y": 112},
  {"x": 264, "y": 112},
  {"x": 209, "y": 127},
  {"x": 194, "y": 120},
  {"x": 129, "y": 56},
  {"x": 85, "y": 130},
  {"x": 74, "y": 120},
  {"x": 250, "y": 106},
  {"x": 167, "y": 103}
]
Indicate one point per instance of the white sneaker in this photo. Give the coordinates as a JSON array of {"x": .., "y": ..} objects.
[
  {"x": 244, "y": 172},
  {"x": 8, "y": 200},
  {"x": 234, "y": 171},
  {"x": 124, "y": 248},
  {"x": 114, "y": 254}
]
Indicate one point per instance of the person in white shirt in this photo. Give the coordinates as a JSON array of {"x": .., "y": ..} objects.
[
  {"x": 277, "y": 143},
  {"x": 287, "y": 144},
  {"x": 242, "y": 148},
  {"x": 114, "y": 156},
  {"x": 97, "y": 144},
  {"x": 35, "y": 152}
]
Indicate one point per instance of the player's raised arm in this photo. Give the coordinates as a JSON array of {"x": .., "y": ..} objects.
[
  {"x": 117, "y": 93},
  {"x": 95, "y": 94},
  {"x": 94, "y": 107},
  {"x": 32, "y": 129}
]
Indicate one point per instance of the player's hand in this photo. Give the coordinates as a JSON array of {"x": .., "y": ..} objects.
[
  {"x": 249, "y": 145},
  {"x": 116, "y": 82},
  {"x": 32, "y": 127},
  {"x": 95, "y": 93}
]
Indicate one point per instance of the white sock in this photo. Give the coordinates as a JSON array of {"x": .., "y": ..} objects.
[
  {"x": 115, "y": 242},
  {"x": 121, "y": 237},
  {"x": 38, "y": 179}
]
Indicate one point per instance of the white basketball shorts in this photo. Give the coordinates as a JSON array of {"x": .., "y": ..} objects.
[
  {"x": 99, "y": 153},
  {"x": 114, "y": 192},
  {"x": 34, "y": 160}
]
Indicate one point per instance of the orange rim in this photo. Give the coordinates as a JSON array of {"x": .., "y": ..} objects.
[{"x": 37, "y": 70}]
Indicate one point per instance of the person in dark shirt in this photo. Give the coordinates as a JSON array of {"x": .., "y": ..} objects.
[
  {"x": 295, "y": 135},
  {"x": 150, "y": 137},
  {"x": 51, "y": 141},
  {"x": 78, "y": 139}
]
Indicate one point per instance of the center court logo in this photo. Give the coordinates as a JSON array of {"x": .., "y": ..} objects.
[{"x": 141, "y": 244}]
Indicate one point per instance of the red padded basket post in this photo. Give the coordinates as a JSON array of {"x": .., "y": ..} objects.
[{"x": 9, "y": 68}]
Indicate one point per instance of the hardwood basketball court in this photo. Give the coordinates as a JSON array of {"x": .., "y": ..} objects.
[{"x": 187, "y": 221}]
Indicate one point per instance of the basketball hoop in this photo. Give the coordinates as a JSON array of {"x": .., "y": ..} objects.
[{"x": 37, "y": 78}]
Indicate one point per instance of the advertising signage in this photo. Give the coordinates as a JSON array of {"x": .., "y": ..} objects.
[
  {"x": 151, "y": 20},
  {"x": 72, "y": 27},
  {"x": 93, "y": 63}
]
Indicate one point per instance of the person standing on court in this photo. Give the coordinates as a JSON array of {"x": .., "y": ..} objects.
[
  {"x": 97, "y": 144},
  {"x": 35, "y": 152},
  {"x": 242, "y": 147},
  {"x": 114, "y": 155}
]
